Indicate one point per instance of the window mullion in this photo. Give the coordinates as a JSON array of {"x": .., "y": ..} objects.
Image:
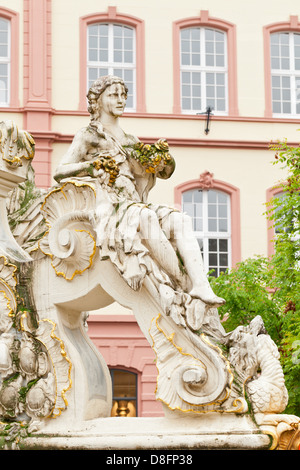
[{"x": 110, "y": 47}]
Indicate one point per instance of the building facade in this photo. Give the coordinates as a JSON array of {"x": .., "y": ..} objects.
[{"x": 182, "y": 62}]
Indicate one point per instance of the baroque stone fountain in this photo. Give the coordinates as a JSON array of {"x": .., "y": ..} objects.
[{"x": 93, "y": 239}]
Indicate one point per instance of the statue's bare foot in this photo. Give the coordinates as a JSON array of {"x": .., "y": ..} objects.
[{"x": 207, "y": 296}]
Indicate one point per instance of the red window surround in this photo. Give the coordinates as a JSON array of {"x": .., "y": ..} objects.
[
  {"x": 205, "y": 20},
  {"x": 113, "y": 16}
]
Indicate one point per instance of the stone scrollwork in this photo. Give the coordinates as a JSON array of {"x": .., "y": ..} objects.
[
  {"x": 69, "y": 241},
  {"x": 195, "y": 377},
  {"x": 15, "y": 144},
  {"x": 34, "y": 368}
]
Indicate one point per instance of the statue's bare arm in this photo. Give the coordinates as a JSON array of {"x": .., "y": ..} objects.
[{"x": 75, "y": 162}]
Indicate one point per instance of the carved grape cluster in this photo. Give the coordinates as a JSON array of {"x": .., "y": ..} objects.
[{"x": 109, "y": 165}]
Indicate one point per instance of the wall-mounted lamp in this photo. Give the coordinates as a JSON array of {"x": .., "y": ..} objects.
[{"x": 208, "y": 113}]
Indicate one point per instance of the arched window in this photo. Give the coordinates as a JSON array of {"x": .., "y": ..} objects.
[
  {"x": 9, "y": 58},
  {"x": 282, "y": 69},
  {"x": 124, "y": 385},
  {"x": 205, "y": 70},
  {"x": 203, "y": 75},
  {"x": 285, "y": 73},
  {"x": 113, "y": 43},
  {"x": 275, "y": 227},
  {"x": 214, "y": 207},
  {"x": 4, "y": 62},
  {"x": 111, "y": 51},
  {"x": 210, "y": 212}
]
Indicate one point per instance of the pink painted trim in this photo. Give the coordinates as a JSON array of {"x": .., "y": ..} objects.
[
  {"x": 230, "y": 29},
  {"x": 292, "y": 25},
  {"x": 270, "y": 193},
  {"x": 67, "y": 112},
  {"x": 113, "y": 16},
  {"x": 174, "y": 142},
  {"x": 37, "y": 53},
  {"x": 37, "y": 85},
  {"x": 234, "y": 194},
  {"x": 109, "y": 318},
  {"x": 13, "y": 17}
]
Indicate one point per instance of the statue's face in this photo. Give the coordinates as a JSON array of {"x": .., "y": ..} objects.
[{"x": 113, "y": 100}]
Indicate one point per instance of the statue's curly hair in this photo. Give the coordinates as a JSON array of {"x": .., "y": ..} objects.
[{"x": 98, "y": 87}]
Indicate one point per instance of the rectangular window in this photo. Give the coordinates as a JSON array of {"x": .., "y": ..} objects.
[
  {"x": 285, "y": 74},
  {"x": 203, "y": 70},
  {"x": 4, "y": 62},
  {"x": 111, "y": 51}
]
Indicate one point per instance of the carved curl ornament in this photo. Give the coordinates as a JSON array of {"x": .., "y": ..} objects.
[
  {"x": 34, "y": 369},
  {"x": 69, "y": 241}
]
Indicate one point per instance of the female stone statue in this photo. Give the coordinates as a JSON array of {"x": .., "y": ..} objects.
[{"x": 128, "y": 227}]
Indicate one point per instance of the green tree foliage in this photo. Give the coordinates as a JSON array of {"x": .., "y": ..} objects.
[{"x": 269, "y": 287}]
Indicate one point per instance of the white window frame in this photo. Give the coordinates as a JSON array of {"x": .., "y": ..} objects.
[
  {"x": 207, "y": 235},
  {"x": 7, "y": 61},
  {"x": 292, "y": 73},
  {"x": 110, "y": 65},
  {"x": 204, "y": 69}
]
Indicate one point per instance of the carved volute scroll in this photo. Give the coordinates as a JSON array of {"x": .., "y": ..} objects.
[{"x": 70, "y": 239}]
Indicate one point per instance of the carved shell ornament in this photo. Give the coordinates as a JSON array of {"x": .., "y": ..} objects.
[{"x": 70, "y": 240}]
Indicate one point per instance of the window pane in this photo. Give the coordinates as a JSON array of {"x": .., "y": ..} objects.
[
  {"x": 189, "y": 209},
  {"x": 198, "y": 225},
  {"x": 223, "y": 211},
  {"x": 212, "y": 210},
  {"x": 213, "y": 245},
  {"x": 213, "y": 259},
  {"x": 3, "y": 24},
  {"x": 212, "y": 225},
  {"x": 187, "y": 196},
  {"x": 281, "y": 94},
  {"x": 118, "y": 57},
  {"x": 103, "y": 56},
  {"x": 3, "y": 90},
  {"x": 212, "y": 196},
  {"x": 286, "y": 108},
  {"x": 222, "y": 225},
  {"x": 223, "y": 245},
  {"x": 103, "y": 29},
  {"x": 198, "y": 196},
  {"x": 223, "y": 259}
]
